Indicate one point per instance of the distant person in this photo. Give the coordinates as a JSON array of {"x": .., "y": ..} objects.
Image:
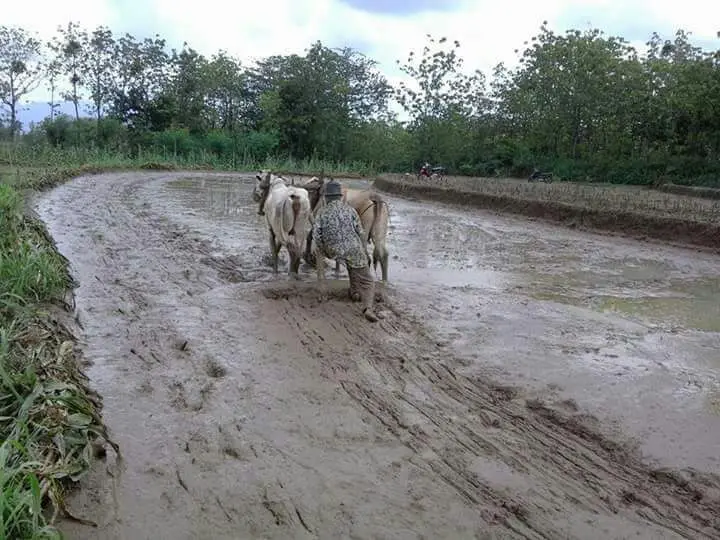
[{"x": 338, "y": 234}]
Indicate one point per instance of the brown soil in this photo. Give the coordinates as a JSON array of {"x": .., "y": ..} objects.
[
  {"x": 636, "y": 225},
  {"x": 246, "y": 408}
]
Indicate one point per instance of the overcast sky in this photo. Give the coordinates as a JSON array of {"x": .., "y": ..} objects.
[{"x": 386, "y": 30}]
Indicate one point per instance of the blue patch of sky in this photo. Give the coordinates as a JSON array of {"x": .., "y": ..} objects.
[{"x": 402, "y": 7}]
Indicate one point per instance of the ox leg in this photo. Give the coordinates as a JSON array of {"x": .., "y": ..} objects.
[
  {"x": 294, "y": 267},
  {"x": 337, "y": 268},
  {"x": 308, "y": 256},
  {"x": 261, "y": 204},
  {"x": 274, "y": 250},
  {"x": 380, "y": 255}
]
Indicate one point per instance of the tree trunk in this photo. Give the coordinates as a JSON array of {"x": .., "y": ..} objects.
[
  {"x": 52, "y": 101},
  {"x": 13, "y": 104},
  {"x": 13, "y": 119},
  {"x": 75, "y": 96}
]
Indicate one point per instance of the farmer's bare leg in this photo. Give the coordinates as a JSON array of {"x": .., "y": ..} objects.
[
  {"x": 354, "y": 292},
  {"x": 319, "y": 258},
  {"x": 362, "y": 281}
]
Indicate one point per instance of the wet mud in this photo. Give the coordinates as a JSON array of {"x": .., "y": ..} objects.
[
  {"x": 527, "y": 381},
  {"x": 684, "y": 231}
]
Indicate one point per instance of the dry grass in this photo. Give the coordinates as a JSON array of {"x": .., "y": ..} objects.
[
  {"x": 602, "y": 197},
  {"x": 631, "y": 211}
]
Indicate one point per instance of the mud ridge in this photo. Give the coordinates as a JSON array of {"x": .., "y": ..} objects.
[
  {"x": 410, "y": 385},
  {"x": 692, "y": 191},
  {"x": 640, "y": 226}
]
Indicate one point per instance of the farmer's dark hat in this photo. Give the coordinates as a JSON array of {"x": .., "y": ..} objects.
[{"x": 333, "y": 190}]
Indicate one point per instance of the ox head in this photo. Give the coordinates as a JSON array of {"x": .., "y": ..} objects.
[
  {"x": 314, "y": 187},
  {"x": 262, "y": 182}
]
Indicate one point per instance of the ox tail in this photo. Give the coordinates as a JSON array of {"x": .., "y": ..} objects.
[
  {"x": 295, "y": 212},
  {"x": 378, "y": 233},
  {"x": 377, "y": 202}
]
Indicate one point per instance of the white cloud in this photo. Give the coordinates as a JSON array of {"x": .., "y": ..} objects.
[
  {"x": 488, "y": 30},
  {"x": 41, "y": 16}
]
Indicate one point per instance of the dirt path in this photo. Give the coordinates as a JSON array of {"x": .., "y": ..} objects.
[{"x": 246, "y": 409}]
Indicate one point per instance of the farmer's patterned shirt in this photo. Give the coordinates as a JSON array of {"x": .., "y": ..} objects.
[{"x": 338, "y": 233}]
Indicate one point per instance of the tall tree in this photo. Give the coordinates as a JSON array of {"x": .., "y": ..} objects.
[
  {"x": 313, "y": 101},
  {"x": 101, "y": 60},
  {"x": 444, "y": 103},
  {"x": 442, "y": 88},
  {"x": 69, "y": 49},
  {"x": 140, "y": 80},
  {"x": 188, "y": 88},
  {"x": 52, "y": 75},
  {"x": 20, "y": 69},
  {"x": 229, "y": 95}
]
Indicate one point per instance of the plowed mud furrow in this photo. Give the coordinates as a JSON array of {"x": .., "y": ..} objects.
[
  {"x": 246, "y": 408},
  {"x": 579, "y": 464}
]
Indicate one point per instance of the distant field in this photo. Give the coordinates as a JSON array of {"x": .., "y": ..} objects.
[
  {"x": 632, "y": 210},
  {"x": 605, "y": 197}
]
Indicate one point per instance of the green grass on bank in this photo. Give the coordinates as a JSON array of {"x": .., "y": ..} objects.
[
  {"x": 48, "y": 416},
  {"x": 13, "y": 157}
]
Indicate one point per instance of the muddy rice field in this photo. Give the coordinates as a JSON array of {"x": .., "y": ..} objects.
[{"x": 528, "y": 381}]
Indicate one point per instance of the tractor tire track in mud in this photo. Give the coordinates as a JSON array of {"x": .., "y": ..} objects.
[{"x": 245, "y": 407}]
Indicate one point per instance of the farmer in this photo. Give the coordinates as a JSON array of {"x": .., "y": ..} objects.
[{"x": 338, "y": 234}]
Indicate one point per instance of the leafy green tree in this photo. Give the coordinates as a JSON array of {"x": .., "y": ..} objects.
[
  {"x": 21, "y": 69},
  {"x": 444, "y": 102},
  {"x": 228, "y": 94},
  {"x": 100, "y": 62},
  {"x": 140, "y": 78},
  {"x": 314, "y": 101},
  {"x": 69, "y": 50},
  {"x": 442, "y": 88},
  {"x": 189, "y": 88}
]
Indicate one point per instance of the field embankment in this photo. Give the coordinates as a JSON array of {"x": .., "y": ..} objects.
[
  {"x": 691, "y": 191},
  {"x": 50, "y": 423},
  {"x": 631, "y": 211}
]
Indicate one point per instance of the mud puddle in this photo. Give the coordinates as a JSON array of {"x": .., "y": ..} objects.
[
  {"x": 624, "y": 330},
  {"x": 245, "y": 408}
]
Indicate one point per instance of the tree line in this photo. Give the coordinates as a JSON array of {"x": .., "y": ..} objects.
[{"x": 585, "y": 105}]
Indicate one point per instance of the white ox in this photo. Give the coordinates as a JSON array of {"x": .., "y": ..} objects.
[{"x": 288, "y": 216}]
